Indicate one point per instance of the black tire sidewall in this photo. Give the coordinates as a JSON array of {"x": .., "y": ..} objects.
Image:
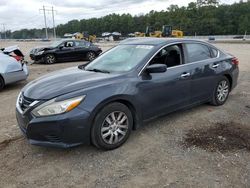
[
  {"x": 2, "y": 84},
  {"x": 101, "y": 115},
  {"x": 47, "y": 56},
  {"x": 215, "y": 101}
]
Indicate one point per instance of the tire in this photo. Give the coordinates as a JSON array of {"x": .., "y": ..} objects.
[
  {"x": 50, "y": 59},
  {"x": 2, "y": 84},
  {"x": 221, "y": 92},
  {"x": 91, "y": 56},
  {"x": 112, "y": 126}
]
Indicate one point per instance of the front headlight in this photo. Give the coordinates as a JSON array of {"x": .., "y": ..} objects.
[
  {"x": 53, "y": 108},
  {"x": 40, "y": 52},
  {"x": 18, "y": 99}
]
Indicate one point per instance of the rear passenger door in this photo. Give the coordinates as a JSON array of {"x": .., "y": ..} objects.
[
  {"x": 81, "y": 49},
  {"x": 202, "y": 65}
]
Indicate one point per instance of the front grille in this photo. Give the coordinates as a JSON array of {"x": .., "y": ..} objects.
[
  {"x": 53, "y": 138},
  {"x": 24, "y": 102}
]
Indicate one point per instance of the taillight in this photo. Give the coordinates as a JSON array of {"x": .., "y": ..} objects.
[{"x": 235, "y": 61}]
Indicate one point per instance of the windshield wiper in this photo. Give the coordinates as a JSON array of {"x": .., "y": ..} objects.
[{"x": 98, "y": 70}]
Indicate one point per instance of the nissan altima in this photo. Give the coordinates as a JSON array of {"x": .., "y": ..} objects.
[{"x": 103, "y": 101}]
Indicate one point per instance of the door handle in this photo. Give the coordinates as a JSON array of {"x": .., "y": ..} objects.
[
  {"x": 185, "y": 75},
  {"x": 215, "y": 65}
]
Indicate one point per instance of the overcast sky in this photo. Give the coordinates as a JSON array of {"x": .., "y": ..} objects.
[{"x": 18, "y": 14}]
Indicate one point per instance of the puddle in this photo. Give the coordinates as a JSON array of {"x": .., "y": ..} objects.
[{"x": 220, "y": 137}]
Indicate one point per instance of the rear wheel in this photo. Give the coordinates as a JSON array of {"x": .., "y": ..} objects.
[
  {"x": 91, "y": 56},
  {"x": 1, "y": 83},
  {"x": 112, "y": 126},
  {"x": 50, "y": 59},
  {"x": 221, "y": 92}
]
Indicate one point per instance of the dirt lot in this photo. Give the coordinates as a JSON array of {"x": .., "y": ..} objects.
[{"x": 173, "y": 151}]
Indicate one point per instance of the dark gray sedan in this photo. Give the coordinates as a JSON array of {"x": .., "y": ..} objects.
[{"x": 140, "y": 79}]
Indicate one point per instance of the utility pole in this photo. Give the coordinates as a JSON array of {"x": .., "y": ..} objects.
[
  {"x": 53, "y": 22},
  {"x": 245, "y": 36},
  {"x": 4, "y": 30},
  {"x": 45, "y": 22},
  {"x": 53, "y": 18}
]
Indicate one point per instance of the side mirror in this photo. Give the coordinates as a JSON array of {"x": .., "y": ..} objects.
[
  {"x": 156, "y": 68},
  {"x": 60, "y": 47}
]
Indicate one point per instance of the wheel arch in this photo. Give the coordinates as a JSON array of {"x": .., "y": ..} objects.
[
  {"x": 93, "y": 51},
  {"x": 1, "y": 76},
  {"x": 136, "y": 118},
  {"x": 230, "y": 79}
]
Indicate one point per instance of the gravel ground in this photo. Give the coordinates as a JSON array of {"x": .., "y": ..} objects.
[{"x": 154, "y": 155}]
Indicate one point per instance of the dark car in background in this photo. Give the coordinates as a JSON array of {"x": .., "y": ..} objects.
[
  {"x": 238, "y": 37},
  {"x": 140, "y": 79},
  {"x": 66, "y": 50}
]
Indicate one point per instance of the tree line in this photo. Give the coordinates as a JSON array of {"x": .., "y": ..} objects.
[{"x": 203, "y": 17}]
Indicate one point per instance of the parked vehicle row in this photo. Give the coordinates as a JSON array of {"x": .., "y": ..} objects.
[
  {"x": 14, "y": 68},
  {"x": 103, "y": 101}
]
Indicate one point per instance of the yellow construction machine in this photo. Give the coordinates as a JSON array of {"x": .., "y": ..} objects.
[
  {"x": 139, "y": 34},
  {"x": 167, "y": 31},
  {"x": 150, "y": 32},
  {"x": 85, "y": 36}
]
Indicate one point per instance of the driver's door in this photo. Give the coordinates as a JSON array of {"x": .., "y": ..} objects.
[
  {"x": 66, "y": 51},
  {"x": 165, "y": 92}
]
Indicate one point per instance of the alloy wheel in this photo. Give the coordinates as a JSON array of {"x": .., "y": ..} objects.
[
  {"x": 91, "y": 56},
  {"x": 50, "y": 59},
  {"x": 222, "y": 91},
  {"x": 114, "y": 127}
]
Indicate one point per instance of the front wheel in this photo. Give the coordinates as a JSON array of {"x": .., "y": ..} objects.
[
  {"x": 112, "y": 126},
  {"x": 50, "y": 59},
  {"x": 221, "y": 92}
]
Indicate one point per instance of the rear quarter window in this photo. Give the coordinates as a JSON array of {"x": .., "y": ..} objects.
[
  {"x": 197, "y": 52},
  {"x": 214, "y": 52}
]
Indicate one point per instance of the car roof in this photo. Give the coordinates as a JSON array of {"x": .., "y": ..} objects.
[
  {"x": 155, "y": 41},
  {"x": 68, "y": 40}
]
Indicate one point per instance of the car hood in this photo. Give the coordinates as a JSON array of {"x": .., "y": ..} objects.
[
  {"x": 64, "y": 81},
  {"x": 40, "y": 48}
]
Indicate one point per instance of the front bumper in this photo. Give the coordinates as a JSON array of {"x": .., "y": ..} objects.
[
  {"x": 36, "y": 57},
  {"x": 63, "y": 131}
]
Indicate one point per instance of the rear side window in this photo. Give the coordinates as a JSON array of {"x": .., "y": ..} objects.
[
  {"x": 197, "y": 52},
  {"x": 81, "y": 44}
]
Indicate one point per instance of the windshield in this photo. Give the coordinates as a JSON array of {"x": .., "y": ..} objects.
[
  {"x": 56, "y": 43},
  {"x": 120, "y": 58}
]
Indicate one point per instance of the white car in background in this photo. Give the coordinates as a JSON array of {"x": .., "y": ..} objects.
[{"x": 13, "y": 68}]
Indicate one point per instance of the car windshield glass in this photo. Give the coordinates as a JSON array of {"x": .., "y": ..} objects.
[
  {"x": 120, "y": 58},
  {"x": 56, "y": 43}
]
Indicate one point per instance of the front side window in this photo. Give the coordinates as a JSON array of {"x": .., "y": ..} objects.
[
  {"x": 170, "y": 56},
  {"x": 197, "y": 52},
  {"x": 69, "y": 44},
  {"x": 121, "y": 58}
]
